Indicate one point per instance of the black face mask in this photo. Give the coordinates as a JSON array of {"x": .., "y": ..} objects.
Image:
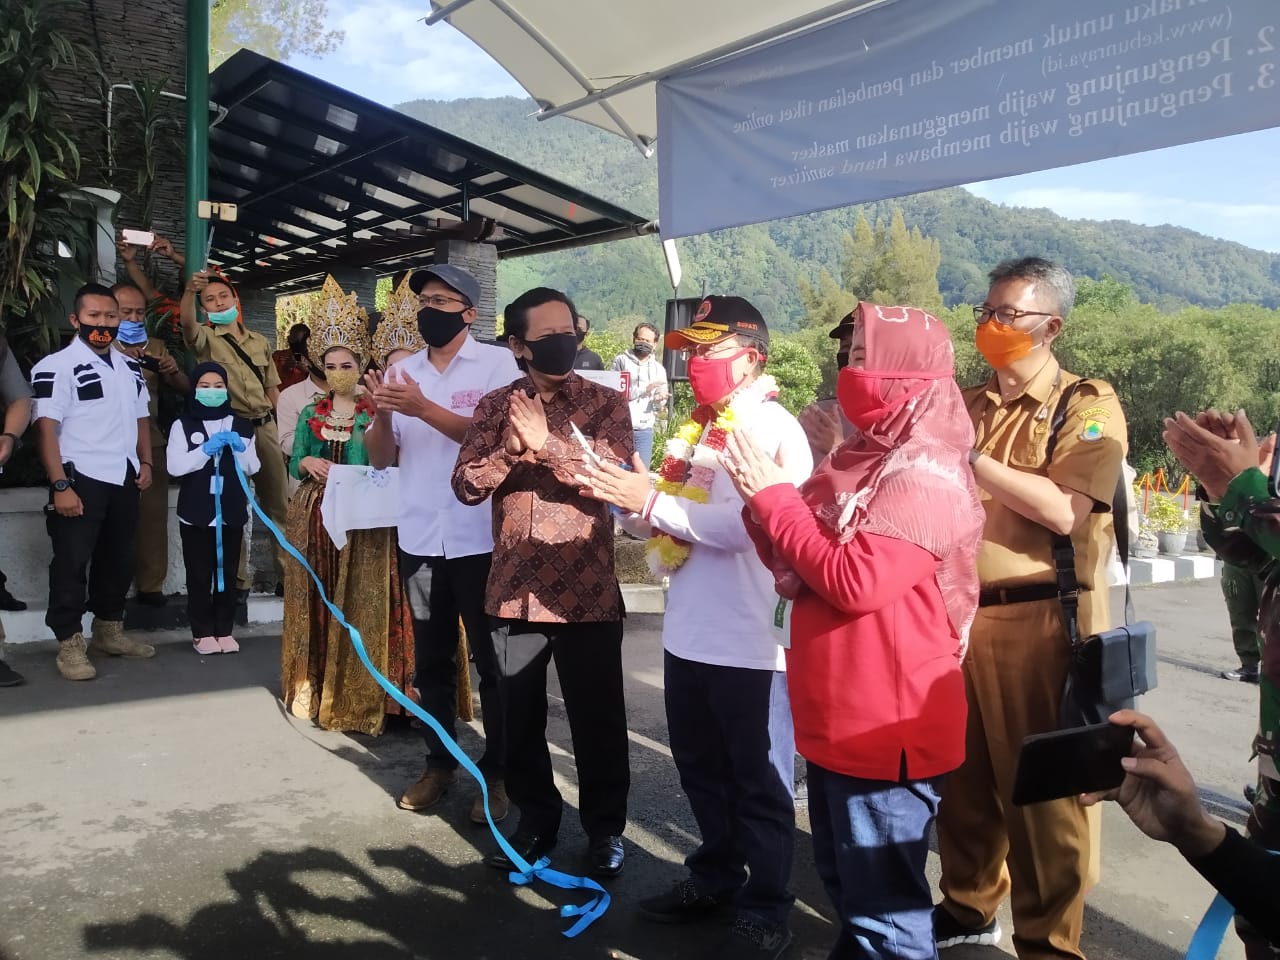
[
  {"x": 439, "y": 327},
  {"x": 842, "y": 359},
  {"x": 642, "y": 349},
  {"x": 554, "y": 354},
  {"x": 581, "y": 335},
  {"x": 97, "y": 337}
]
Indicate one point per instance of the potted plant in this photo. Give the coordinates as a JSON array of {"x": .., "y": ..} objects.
[{"x": 1169, "y": 521}]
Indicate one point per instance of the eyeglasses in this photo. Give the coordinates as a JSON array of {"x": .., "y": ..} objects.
[
  {"x": 439, "y": 301},
  {"x": 711, "y": 349},
  {"x": 1005, "y": 315}
]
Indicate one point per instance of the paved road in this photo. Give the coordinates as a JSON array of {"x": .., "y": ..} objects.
[{"x": 170, "y": 809}]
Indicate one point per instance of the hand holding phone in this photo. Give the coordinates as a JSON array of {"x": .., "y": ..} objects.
[
  {"x": 1068, "y": 763},
  {"x": 138, "y": 238}
]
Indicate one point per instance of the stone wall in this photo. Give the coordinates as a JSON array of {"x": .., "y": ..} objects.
[
  {"x": 134, "y": 41},
  {"x": 481, "y": 260}
]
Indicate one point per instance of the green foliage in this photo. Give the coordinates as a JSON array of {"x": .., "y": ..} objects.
[
  {"x": 278, "y": 30},
  {"x": 38, "y": 165},
  {"x": 1106, "y": 294},
  {"x": 795, "y": 370},
  {"x": 1165, "y": 515},
  {"x": 607, "y": 343}
]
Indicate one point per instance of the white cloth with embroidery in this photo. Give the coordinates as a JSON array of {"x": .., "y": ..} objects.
[{"x": 359, "y": 498}]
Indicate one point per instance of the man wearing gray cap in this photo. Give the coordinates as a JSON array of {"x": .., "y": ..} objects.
[{"x": 425, "y": 404}]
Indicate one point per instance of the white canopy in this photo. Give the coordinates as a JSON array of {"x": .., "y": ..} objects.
[{"x": 598, "y": 60}]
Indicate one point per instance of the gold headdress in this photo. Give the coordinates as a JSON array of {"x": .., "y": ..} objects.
[
  {"x": 398, "y": 328},
  {"x": 338, "y": 321}
]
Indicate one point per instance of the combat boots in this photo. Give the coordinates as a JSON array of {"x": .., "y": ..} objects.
[{"x": 109, "y": 638}]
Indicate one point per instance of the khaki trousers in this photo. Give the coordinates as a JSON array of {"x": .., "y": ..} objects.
[
  {"x": 270, "y": 488},
  {"x": 151, "y": 562},
  {"x": 1043, "y": 855}
]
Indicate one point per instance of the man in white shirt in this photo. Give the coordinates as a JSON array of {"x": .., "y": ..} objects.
[
  {"x": 94, "y": 437},
  {"x": 728, "y": 714},
  {"x": 648, "y": 391},
  {"x": 425, "y": 404}
]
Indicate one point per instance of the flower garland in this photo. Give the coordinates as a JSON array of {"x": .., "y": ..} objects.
[
  {"x": 324, "y": 409},
  {"x": 689, "y": 463}
]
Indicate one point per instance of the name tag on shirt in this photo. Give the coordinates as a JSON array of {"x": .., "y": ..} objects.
[
  {"x": 465, "y": 399},
  {"x": 781, "y": 622},
  {"x": 215, "y": 485}
]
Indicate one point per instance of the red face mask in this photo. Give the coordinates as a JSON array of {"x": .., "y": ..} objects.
[
  {"x": 711, "y": 378},
  {"x": 860, "y": 399}
]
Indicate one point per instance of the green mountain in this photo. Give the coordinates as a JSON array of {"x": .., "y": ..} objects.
[{"x": 1168, "y": 266}]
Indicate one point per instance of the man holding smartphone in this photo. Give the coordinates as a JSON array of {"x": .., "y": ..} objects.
[
  {"x": 94, "y": 437},
  {"x": 1047, "y": 459}
]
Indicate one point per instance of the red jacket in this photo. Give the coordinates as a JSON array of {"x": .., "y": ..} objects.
[{"x": 872, "y": 669}]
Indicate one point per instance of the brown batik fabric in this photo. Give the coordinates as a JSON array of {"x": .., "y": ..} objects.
[{"x": 553, "y": 547}]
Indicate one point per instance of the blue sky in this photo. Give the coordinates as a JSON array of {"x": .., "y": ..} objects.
[{"x": 1228, "y": 188}]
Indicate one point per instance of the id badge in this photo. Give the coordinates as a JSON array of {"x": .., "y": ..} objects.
[
  {"x": 215, "y": 486},
  {"x": 781, "y": 622}
]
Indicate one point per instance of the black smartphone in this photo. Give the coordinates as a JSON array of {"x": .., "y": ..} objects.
[
  {"x": 148, "y": 362},
  {"x": 1067, "y": 763}
]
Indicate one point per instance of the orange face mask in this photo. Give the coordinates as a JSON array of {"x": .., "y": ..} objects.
[{"x": 1002, "y": 345}]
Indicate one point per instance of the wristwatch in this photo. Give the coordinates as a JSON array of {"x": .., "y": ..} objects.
[{"x": 61, "y": 485}]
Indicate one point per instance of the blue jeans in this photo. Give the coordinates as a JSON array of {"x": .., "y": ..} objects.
[
  {"x": 644, "y": 445},
  {"x": 870, "y": 843},
  {"x": 731, "y": 736}
]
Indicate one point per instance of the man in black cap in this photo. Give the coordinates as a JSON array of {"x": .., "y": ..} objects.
[
  {"x": 823, "y": 423},
  {"x": 425, "y": 404}
]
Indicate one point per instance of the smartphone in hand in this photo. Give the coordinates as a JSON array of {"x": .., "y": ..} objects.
[
  {"x": 138, "y": 238},
  {"x": 1067, "y": 763}
]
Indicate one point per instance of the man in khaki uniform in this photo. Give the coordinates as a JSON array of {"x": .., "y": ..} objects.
[
  {"x": 253, "y": 384},
  {"x": 1044, "y": 855},
  {"x": 151, "y": 562}
]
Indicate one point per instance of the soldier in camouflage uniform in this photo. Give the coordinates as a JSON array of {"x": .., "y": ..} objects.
[{"x": 1240, "y": 519}]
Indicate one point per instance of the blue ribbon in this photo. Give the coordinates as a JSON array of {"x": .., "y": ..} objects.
[
  {"x": 525, "y": 872},
  {"x": 1207, "y": 939},
  {"x": 214, "y": 447}
]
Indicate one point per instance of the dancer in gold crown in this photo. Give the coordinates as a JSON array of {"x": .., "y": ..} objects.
[
  {"x": 397, "y": 336},
  {"x": 321, "y": 677}
]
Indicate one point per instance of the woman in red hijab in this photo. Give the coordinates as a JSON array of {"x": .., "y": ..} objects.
[{"x": 874, "y": 564}]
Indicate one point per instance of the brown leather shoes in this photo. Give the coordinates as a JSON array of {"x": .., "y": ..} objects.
[
  {"x": 499, "y": 805},
  {"x": 426, "y": 793}
]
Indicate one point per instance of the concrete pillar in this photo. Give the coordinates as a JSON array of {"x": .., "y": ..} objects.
[{"x": 481, "y": 261}]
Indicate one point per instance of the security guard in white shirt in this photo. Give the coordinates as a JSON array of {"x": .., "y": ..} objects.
[{"x": 94, "y": 438}]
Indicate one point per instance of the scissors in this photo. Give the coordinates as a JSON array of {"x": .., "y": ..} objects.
[{"x": 592, "y": 457}]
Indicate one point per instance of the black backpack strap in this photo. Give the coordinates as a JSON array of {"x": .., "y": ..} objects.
[
  {"x": 1064, "y": 551},
  {"x": 248, "y": 362}
]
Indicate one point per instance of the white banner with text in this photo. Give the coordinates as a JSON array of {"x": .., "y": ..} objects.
[{"x": 918, "y": 94}]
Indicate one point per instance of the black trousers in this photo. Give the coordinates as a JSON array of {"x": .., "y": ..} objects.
[
  {"x": 212, "y": 614},
  {"x": 439, "y": 591},
  {"x": 588, "y": 660},
  {"x": 95, "y": 549}
]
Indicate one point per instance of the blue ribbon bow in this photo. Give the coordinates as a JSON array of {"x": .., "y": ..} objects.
[
  {"x": 525, "y": 872},
  {"x": 213, "y": 446}
]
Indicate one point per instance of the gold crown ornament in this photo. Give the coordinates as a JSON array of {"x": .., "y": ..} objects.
[
  {"x": 338, "y": 321},
  {"x": 398, "y": 328}
]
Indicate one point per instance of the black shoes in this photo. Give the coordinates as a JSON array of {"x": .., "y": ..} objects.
[
  {"x": 152, "y": 599},
  {"x": 9, "y": 602},
  {"x": 605, "y": 857},
  {"x": 10, "y": 677},
  {"x": 751, "y": 940},
  {"x": 1242, "y": 674},
  {"x": 531, "y": 847},
  {"x": 682, "y": 904}
]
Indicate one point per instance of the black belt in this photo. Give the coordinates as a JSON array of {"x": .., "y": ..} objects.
[
  {"x": 259, "y": 421},
  {"x": 1030, "y": 594}
]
